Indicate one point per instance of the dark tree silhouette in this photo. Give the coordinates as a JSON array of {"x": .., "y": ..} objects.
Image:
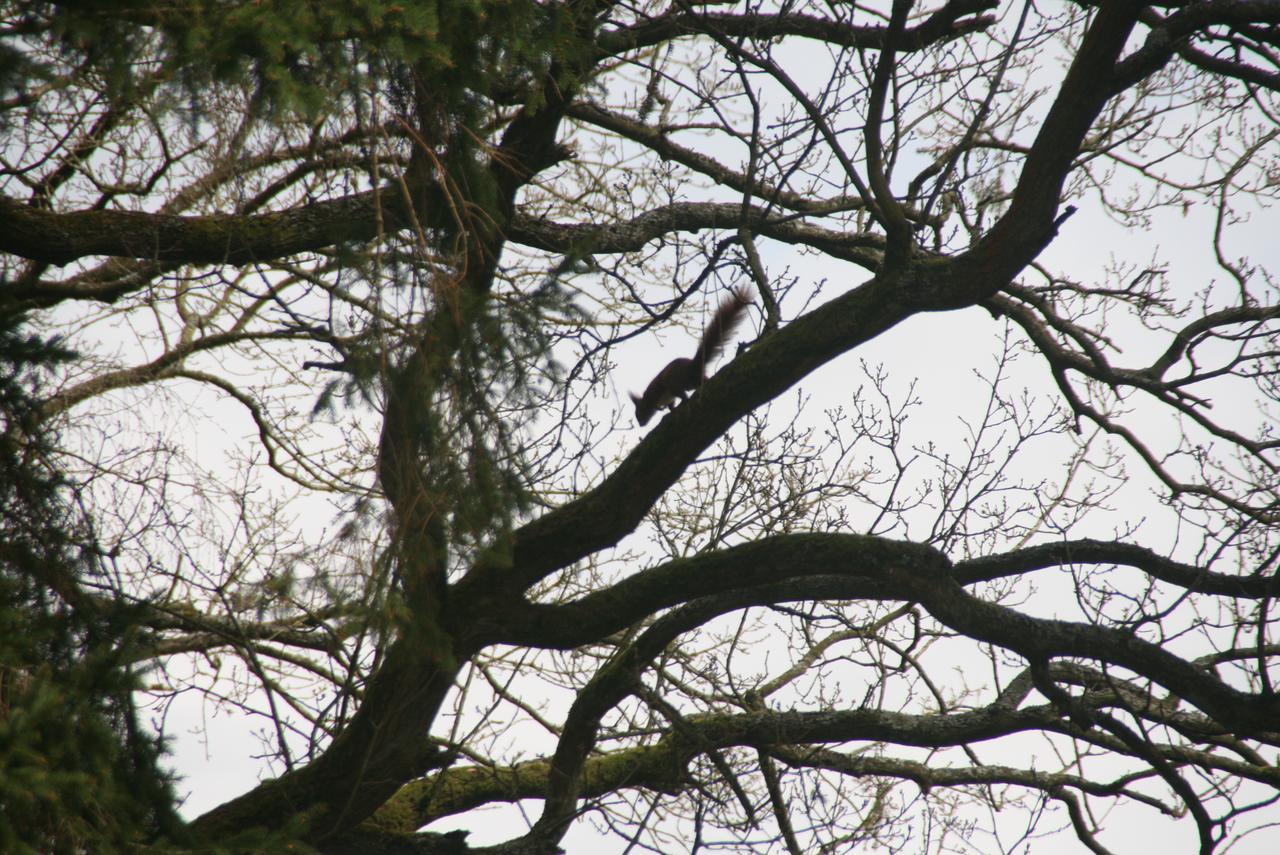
[{"x": 357, "y": 292}]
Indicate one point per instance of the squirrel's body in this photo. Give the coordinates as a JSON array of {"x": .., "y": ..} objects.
[{"x": 683, "y": 375}]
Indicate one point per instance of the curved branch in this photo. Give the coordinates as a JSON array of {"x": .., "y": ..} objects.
[
  {"x": 943, "y": 25},
  {"x": 1044, "y": 639},
  {"x": 632, "y": 235},
  {"x": 1195, "y": 579},
  {"x": 780, "y": 569},
  {"x": 660, "y": 144},
  {"x": 907, "y": 571},
  {"x": 794, "y": 738},
  {"x": 661, "y": 766},
  {"x": 166, "y": 365}
]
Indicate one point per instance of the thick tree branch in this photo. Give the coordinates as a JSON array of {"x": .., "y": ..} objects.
[
  {"x": 43, "y": 235},
  {"x": 236, "y": 238},
  {"x": 663, "y": 765},
  {"x": 907, "y": 571},
  {"x": 796, "y": 738},
  {"x": 1029, "y": 223}
]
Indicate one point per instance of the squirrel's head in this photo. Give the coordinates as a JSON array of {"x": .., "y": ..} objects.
[{"x": 644, "y": 411}]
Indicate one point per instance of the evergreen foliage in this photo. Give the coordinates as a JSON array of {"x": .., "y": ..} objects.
[
  {"x": 297, "y": 53},
  {"x": 76, "y": 772}
]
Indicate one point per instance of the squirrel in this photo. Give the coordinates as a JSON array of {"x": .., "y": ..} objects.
[{"x": 683, "y": 375}]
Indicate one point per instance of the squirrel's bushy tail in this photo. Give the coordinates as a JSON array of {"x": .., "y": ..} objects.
[{"x": 726, "y": 320}]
